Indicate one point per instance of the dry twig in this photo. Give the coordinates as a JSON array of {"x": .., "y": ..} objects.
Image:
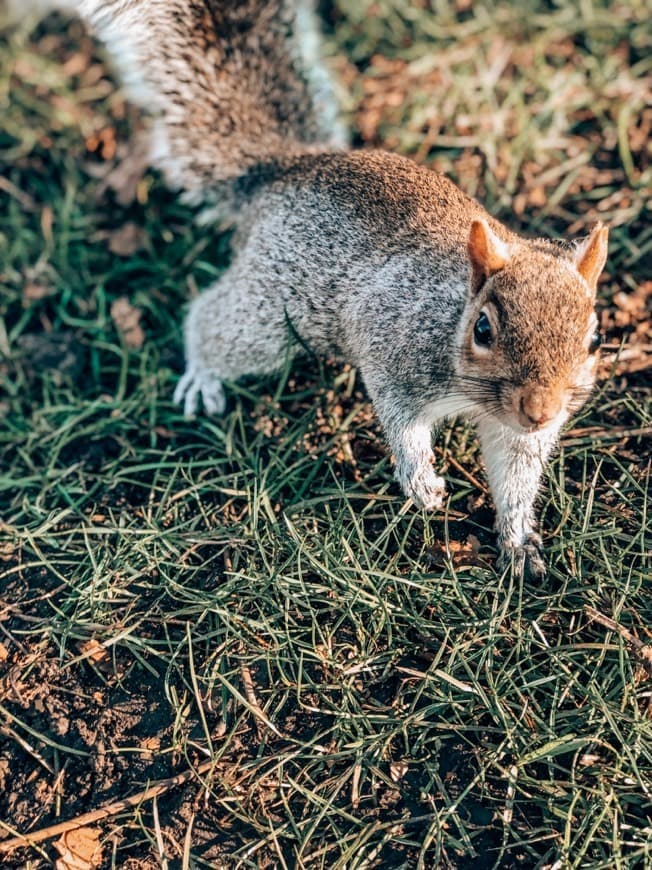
[
  {"x": 250, "y": 694},
  {"x": 642, "y": 650},
  {"x": 103, "y": 812}
]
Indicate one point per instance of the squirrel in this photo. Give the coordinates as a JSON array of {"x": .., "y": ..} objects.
[{"x": 363, "y": 253}]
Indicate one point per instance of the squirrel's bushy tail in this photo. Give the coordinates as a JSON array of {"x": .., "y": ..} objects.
[{"x": 232, "y": 84}]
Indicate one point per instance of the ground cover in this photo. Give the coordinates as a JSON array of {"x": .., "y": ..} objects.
[{"x": 251, "y": 596}]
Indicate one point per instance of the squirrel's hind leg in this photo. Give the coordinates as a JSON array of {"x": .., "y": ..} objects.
[
  {"x": 195, "y": 383},
  {"x": 235, "y": 328}
]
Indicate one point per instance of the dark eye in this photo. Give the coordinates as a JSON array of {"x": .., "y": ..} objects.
[
  {"x": 596, "y": 341},
  {"x": 482, "y": 331}
]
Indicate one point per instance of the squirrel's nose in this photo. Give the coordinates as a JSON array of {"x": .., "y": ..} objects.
[
  {"x": 537, "y": 407},
  {"x": 533, "y": 413}
]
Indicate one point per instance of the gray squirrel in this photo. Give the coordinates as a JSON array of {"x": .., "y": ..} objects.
[{"x": 443, "y": 310}]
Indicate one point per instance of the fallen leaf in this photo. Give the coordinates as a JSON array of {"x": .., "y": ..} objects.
[
  {"x": 93, "y": 650},
  {"x": 75, "y": 64},
  {"x": 127, "y": 240},
  {"x": 127, "y": 321},
  {"x": 124, "y": 175},
  {"x": 47, "y": 222},
  {"x": 104, "y": 143},
  {"x": 463, "y": 554},
  {"x": 589, "y": 759},
  {"x": 150, "y": 744},
  {"x": 35, "y": 290},
  {"x": 397, "y": 770},
  {"x": 79, "y": 849}
]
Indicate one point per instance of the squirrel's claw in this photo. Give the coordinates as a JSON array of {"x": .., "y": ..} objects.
[
  {"x": 194, "y": 384},
  {"x": 526, "y": 559}
]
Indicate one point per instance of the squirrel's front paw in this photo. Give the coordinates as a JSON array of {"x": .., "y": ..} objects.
[
  {"x": 423, "y": 487},
  {"x": 527, "y": 558}
]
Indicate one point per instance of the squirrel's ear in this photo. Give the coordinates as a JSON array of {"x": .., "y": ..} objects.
[
  {"x": 591, "y": 255},
  {"x": 488, "y": 253}
]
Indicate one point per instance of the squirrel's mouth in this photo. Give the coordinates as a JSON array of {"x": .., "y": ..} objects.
[
  {"x": 523, "y": 425},
  {"x": 535, "y": 407}
]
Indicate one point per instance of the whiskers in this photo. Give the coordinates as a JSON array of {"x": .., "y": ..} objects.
[
  {"x": 485, "y": 396},
  {"x": 579, "y": 396},
  {"x": 471, "y": 398}
]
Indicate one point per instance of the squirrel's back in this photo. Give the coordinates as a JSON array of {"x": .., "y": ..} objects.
[{"x": 231, "y": 83}]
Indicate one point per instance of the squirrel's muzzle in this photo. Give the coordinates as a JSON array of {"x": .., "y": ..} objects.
[{"x": 535, "y": 407}]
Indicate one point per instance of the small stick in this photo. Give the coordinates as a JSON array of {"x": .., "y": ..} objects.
[
  {"x": 103, "y": 812},
  {"x": 643, "y": 650},
  {"x": 614, "y": 432},
  {"x": 467, "y": 474}
]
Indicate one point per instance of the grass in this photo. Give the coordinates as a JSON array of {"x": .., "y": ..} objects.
[{"x": 253, "y": 591}]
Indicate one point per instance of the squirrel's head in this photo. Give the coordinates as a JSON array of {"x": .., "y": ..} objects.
[{"x": 529, "y": 336}]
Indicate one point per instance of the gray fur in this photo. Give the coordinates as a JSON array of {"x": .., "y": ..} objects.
[{"x": 364, "y": 255}]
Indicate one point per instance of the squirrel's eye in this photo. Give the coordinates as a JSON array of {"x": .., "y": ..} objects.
[
  {"x": 482, "y": 331},
  {"x": 596, "y": 341}
]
